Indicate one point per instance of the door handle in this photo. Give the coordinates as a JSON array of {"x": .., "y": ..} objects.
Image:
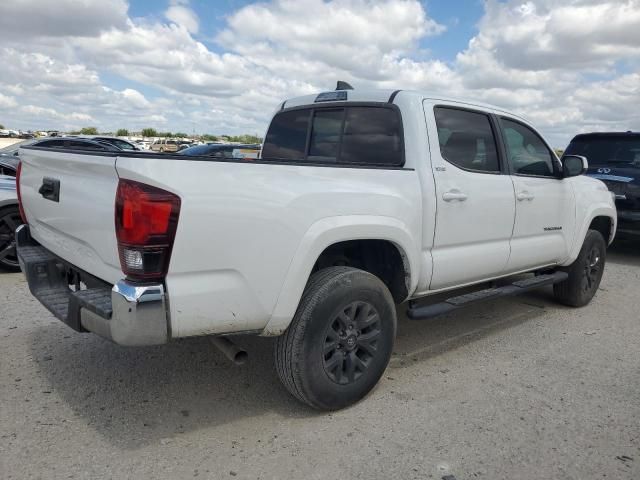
[
  {"x": 521, "y": 196},
  {"x": 453, "y": 195}
]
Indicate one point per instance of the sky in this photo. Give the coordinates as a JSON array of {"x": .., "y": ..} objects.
[{"x": 222, "y": 67}]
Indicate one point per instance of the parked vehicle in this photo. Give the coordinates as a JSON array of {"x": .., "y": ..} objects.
[
  {"x": 143, "y": 144},
  {"x": 76, "y": 143},
  {"x": 223, "y": 150},
  {"x": 12, "y": 150},
  {"x": 9, "y": 221},
  {"x": 362, "y": 199},
  {"x": 614, "y": 158},
  {"x": 168, "y": 145},
  {"x": 118, "y": 142},
  {"x": 8, "y": 166}
]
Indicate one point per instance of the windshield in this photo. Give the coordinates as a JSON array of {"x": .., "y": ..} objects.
[{"x": 607, "y": 150}]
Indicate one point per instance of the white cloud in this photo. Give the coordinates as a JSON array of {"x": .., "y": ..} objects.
[
  {"x": 7, "y": 101},
  {"x": 567, "y": 67},
  {"x": 180, "y": 14},
  {"x": 544, "y": 35},
  {"x": 51, "y": 113},
  {"x": 62, "y": 18}
]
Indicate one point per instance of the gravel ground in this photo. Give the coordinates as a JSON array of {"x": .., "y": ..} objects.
[{"x": 513, "y": 389}]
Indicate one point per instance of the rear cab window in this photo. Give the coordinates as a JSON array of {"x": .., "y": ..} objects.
[{"x": 351, "y": 134}]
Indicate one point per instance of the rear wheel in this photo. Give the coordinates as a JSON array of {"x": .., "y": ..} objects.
[
  {"x": 9, "y": 221},
  {"x": 340, "y": 340},
  {"x": 585, "y": 273}
]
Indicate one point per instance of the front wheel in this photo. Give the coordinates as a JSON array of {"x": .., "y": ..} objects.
[
  {"x": 340, "y": 340},
  {"x": 585, "y": 273}
]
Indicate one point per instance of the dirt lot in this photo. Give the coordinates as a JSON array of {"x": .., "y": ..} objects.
[{"x": 514, "y": 389}]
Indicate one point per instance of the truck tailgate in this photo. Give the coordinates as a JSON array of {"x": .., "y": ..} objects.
[{"x": 77, "y": 224}]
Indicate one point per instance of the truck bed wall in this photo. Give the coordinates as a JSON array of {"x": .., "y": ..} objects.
[{"x": 243, "y": 224}]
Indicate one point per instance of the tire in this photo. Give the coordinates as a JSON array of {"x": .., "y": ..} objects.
[
  {"x": 9, "y": 221},
  {"x": 321, "y": 360},
  {"x": 584, "y": 274}
]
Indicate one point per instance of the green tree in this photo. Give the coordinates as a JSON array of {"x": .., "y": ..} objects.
[
  {"x": 209, "y": 138},
  {"x": 149, "y": 132},
  {"x": 89, "y": 131},
  {"x": 180, "y": 135},
  {"x": 122, "y": 132},
  {"x": 1, "y": 126}
]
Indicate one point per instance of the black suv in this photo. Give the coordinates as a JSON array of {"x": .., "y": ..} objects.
[{"x": 614, "y": 158}]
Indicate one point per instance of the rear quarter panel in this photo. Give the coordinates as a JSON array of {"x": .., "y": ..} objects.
[{"x": 241, "y": 225}]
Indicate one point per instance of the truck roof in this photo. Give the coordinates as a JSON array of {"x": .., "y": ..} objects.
[{"x": 384, "y": 95}]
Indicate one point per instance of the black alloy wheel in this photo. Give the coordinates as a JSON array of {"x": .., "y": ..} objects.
[
  {"x": 592, "y": 267},
  {"x": 351, "y": 342},
  {"x": 9, "y": 221}
]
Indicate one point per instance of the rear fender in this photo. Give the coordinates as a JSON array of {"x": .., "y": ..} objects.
[{"x": 324, "y": 233}]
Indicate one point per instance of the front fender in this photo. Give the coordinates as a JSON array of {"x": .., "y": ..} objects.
[
  {"x": 593, "y": 199},
  {"x": 326, "y": 232}
]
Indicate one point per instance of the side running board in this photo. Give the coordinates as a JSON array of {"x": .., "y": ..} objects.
[{"x": 515, "y": 288}]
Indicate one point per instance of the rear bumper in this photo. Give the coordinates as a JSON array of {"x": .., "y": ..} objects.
[{"x": 126, "y": 313}]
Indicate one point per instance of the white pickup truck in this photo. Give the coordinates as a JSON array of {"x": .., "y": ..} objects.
[{"x": 360, "y": 200}]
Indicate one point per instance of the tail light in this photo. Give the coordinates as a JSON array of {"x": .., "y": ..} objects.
[
  {"x": 146, "y": 223},
  {"x": 18, "y": 174}
]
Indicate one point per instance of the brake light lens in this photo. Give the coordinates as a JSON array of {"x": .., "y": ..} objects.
[
  {"x": 18, "y": 174},
  {"x": 146, "y": 224}
]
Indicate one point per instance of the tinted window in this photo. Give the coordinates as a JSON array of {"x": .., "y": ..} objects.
[
  {"x": 118, "y": 143},
  {"x": 353, "y": 135},
  {"x": 80, "y": 145},
  {"x": 325, "y": 134},
  {"x": 466, "y": 139},
  {"x": 607, "y": 149},
  {"x": 287, "y": 136},
  {"x": 7, "y": 170},
  {"x": 372, "y": 135},
  {"x": 50, "y": 144},
  {"x": 526, "y": 151}
]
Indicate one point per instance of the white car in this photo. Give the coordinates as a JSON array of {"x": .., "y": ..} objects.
[{"x": 360, "y": 201}]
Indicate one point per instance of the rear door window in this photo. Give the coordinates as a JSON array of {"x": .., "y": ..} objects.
[
  {"x": 360, "y": 135},
  {"x": 466, "y": 139}
]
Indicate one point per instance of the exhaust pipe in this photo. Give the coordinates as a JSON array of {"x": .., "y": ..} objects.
[{"x": 230, "y": 350}]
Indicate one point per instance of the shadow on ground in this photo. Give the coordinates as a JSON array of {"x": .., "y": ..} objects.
[
  {"x": 625, "y": 251},
  {"x": 138, "y": 396}
]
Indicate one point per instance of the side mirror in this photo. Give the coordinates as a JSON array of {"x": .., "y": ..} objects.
[{"x": 574, "y": 165}]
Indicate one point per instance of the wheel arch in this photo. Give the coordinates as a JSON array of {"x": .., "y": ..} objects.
[
  {"x": 337, "y": 231},
  {"x": 11, "y": 202},
  {"x": 602, "y": 219}
]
